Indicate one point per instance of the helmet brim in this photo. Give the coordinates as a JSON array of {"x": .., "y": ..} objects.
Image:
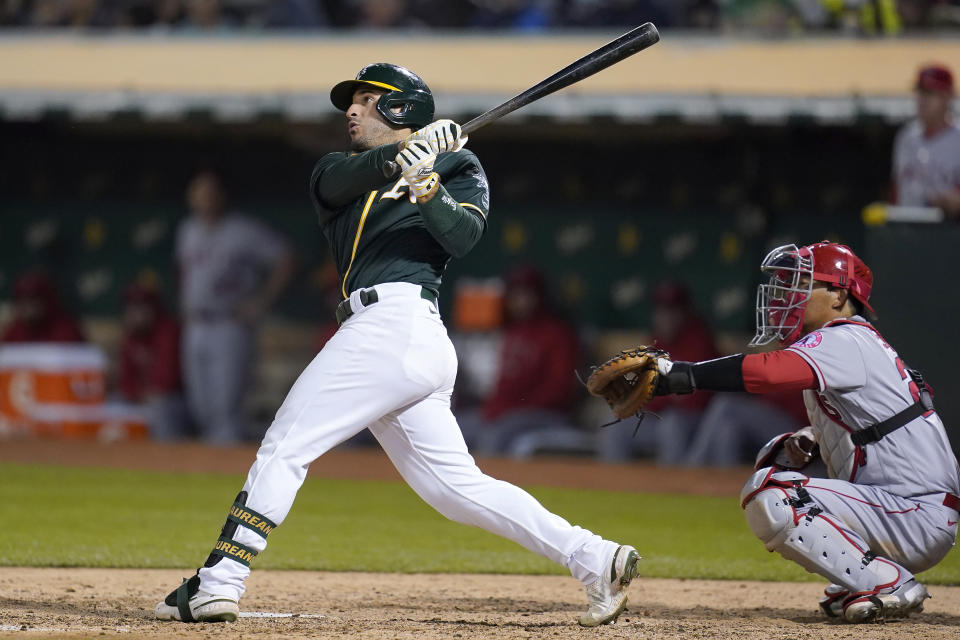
[{"x": 342, "y": 93}]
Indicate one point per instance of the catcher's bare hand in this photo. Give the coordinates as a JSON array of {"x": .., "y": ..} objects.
[
  {"x": 800, "y": 447},
  {"x": 628, "y": 380}
]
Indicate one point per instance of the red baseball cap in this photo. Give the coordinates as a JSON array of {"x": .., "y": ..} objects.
[{"x": 935, "y": 77}]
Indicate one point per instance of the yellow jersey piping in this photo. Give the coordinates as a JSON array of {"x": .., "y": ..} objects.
[
  {"x": 356, "y": 241},
  {"x": 473, "y": 206}
]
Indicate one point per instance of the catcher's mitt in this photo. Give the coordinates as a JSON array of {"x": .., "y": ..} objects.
[{"x": 627, "y": 380}]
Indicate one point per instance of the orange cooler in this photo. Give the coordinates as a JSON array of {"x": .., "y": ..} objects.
[
  {"x": 55, "y": 389},
  {"x": 478, "y": 304}
]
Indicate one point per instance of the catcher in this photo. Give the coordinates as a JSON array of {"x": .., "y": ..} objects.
[{"x": 889, "y": 506}]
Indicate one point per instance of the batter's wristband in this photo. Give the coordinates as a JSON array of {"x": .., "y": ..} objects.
[{"x": 432, "y": 185}]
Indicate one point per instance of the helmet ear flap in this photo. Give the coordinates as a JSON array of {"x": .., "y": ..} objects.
[{"x": 416, "y": 108}]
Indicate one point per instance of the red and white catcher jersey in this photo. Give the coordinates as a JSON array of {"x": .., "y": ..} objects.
[{"x": 861, "y": 382}]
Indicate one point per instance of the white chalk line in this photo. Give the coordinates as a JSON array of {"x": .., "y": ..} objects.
[
  {"x": 28, "y": 628},
  {"x": 268, "y": 614}
]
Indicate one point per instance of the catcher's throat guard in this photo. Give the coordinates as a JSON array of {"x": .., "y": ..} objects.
[{"x": 628, "y": 380}]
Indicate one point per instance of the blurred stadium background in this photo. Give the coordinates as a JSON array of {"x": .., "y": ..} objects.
[{"x": 753, "y": 123}]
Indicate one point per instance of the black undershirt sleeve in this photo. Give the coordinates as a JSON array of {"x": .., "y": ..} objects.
[{"x": 721, "y": 374}]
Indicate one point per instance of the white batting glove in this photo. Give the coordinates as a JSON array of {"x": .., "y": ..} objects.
[
  {"x": 416, "y": 165},
  {"x": 442, "y": 135}
]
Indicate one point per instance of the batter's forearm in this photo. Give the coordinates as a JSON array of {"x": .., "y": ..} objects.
[
  {"x": 339, "y": 183},
  {"x": 450, "y": 223}
]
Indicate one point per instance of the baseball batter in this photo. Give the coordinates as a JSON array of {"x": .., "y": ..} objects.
[
  {"x": 890, "y": 505},
  {"x": 391, "y": 367}
]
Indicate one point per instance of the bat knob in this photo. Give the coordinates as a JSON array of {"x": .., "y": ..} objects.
[{"x": 390, "y": 169}]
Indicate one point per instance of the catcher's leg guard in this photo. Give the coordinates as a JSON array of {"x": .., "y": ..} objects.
[{"x": 781, "y": 513}]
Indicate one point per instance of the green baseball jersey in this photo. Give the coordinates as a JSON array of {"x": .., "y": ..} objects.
[{"x": 378, "y": 233}]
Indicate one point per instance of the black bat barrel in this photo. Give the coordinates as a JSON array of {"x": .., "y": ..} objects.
[{"x": 634, "y": 41}]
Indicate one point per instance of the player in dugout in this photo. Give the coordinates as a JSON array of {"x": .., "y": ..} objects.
[
  {"x": 889, "y": 506},
  {"x": 926, "y": 151},
  {"x": 390, "y": 367}
]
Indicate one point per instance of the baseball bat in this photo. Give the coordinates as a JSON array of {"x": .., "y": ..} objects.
[{"x": 634, "y": 41}]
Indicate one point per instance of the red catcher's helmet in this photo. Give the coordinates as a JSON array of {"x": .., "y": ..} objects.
[
  {"x": 836, "y": 264},
  {"x": 782, "y": 299}
]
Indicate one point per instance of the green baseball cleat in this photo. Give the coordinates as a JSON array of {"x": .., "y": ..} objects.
[
  {"x": 607, "y": 595},
  {"x": 187, "y": 603}
]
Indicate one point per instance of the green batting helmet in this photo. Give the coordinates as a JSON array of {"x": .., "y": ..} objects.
[{"x": 405, "y": 89}]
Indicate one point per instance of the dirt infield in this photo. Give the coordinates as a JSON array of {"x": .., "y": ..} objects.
[{"x": 87, "y": 603}]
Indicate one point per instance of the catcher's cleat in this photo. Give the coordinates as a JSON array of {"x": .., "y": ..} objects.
[
  {"x": 607, "y": 594},
  {"x": 900, "y": 602},
  {"x": 832, "y": 601},
  {"x": 187, "y": 603}
]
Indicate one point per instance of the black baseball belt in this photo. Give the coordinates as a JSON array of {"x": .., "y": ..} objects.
[{"x": 369, "y": 297}]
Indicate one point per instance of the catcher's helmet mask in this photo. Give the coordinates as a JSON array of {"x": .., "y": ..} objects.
[
  {"x": 792, "y": 271},
  {"x": 407, "y": 101}
]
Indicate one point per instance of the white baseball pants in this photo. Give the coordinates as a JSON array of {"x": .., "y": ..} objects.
[
  {"x": 915, "y": 532},
  {"x": 391, "y": 368}
]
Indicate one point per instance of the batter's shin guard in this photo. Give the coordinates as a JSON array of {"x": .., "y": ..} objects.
[{"x": 240, "y": 516}]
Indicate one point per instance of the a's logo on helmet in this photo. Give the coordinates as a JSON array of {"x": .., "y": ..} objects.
[{"x": 810, "y": 340}]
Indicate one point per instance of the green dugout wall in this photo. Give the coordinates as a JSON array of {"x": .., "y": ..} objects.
[
  {"x": 917, "y": 297},
  {"x": 601, "y": 262}
]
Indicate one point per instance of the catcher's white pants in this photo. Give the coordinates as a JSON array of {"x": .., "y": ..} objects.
[{"x": 391, "y": 367}]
